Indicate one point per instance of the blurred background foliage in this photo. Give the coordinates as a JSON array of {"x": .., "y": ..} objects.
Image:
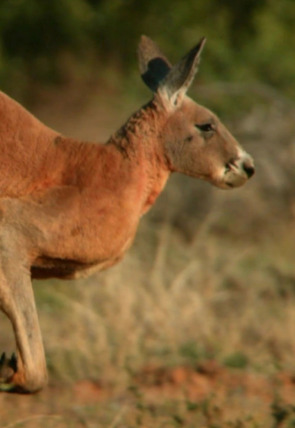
[{"x": 47, "y": 41}]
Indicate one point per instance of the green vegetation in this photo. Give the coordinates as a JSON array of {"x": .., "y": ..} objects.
[{"x": 49, "y": 41}]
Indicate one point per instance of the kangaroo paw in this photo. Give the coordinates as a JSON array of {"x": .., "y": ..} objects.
[{"x": 8, "y": 368}]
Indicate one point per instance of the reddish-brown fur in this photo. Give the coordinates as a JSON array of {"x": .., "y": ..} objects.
[{"x": 69, "y": 207}]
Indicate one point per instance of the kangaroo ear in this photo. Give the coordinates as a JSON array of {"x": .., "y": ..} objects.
[
  {"x": 181, "y": 75},
  {"x": 153, "y": 65}
]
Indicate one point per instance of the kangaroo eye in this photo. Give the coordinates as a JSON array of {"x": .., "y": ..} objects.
[{"x": 205, "y": 127}]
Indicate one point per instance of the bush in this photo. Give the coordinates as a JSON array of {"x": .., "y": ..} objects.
[{"x": 249, "y": 40}]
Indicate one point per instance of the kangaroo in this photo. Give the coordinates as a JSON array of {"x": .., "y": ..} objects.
[{"x": 69, "y": 208}]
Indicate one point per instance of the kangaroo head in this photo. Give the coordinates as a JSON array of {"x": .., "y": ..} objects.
[{"x": 194, "y": 140}]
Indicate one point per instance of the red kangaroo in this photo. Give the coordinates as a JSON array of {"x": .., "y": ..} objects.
[{"x": 69, "y": 207}]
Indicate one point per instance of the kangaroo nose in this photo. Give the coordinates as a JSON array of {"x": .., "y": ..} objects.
[{"x": 248, "y": 167}]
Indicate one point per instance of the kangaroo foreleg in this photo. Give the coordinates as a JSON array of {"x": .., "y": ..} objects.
[{"x": 27, "y": 371}]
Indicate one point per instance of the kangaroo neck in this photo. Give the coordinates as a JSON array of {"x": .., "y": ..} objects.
[{"x": 140, "y": 146}]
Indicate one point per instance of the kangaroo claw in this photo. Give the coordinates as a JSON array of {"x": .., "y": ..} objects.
[{"x": 8, "y": 367}]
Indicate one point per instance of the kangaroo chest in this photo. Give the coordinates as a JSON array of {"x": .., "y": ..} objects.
[
  {"x": 69, "y": 257},
  {"x": 67, "y": 239},
  {"x": 82, "y": 263}
]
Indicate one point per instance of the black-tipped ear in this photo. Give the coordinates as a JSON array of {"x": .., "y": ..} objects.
[
  {"x": 182, "y": 74},
  {"x": 153, "y": 65}
]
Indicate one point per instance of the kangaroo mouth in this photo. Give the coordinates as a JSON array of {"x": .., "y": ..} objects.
[
  {"x": 237, "y": 172},
  {"x": 234, "y": 179}
]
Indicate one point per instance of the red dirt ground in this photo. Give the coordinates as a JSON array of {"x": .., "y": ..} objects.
[
  {"x": 229, "y": 387},
  {"x": 210, "y": 378}
]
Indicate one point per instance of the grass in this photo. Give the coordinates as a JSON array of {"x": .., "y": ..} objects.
[
  {"x": 195, "y": 328},
  {"x": 186, "y": 302}
]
